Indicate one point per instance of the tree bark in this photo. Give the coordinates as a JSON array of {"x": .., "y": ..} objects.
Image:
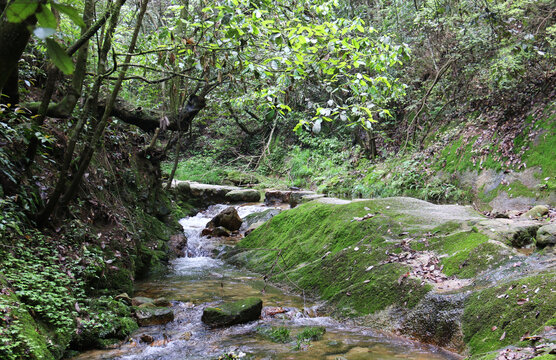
[{"x": 13, "y": 39}]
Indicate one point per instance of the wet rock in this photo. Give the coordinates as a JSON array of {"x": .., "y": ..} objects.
[
  {"x": 186, "y": 335},
  {"x": 437, "y": 320},
  {"x": 124, "y": 298},
  {"x": 178, "y": 245},
  {"x": 246, "y": 195},
  {"x": 253, "y": 227},
  {"x": 140, "y": 300},
  {"x": 201, "y": 194},
  {"x": 154, "y": 316},
  {"x": 299, "y": 197},
  {"x": 293, "y": 198},
  {"x": 220, "y": 231},
  {"x": 228, "y": 218},
  {"x": 546, "y": 235},
  {"x": 147, "y": 339},
  {"x": 536, "y": 212},
  {"x": 228, "y": 314},
  {"x": 252, "y": 221},
  {"x": 276, "y": 197},
  {"x": 162, "y": 302}
]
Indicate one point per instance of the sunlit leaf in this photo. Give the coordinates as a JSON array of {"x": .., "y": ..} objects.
[
  {"x": 72, "y": 13},
  {"x": 59, "y": 57},
  {"x": 46, "y": 18},
  {"x": 19, "y": 10}
]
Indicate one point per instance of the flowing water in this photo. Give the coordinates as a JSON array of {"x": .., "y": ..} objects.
[{"x": 198, "y": 280}]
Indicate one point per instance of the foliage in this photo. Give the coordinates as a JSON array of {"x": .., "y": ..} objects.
[
  {"x": 275, "y": 334},
  {"x": 308, "y": 334}
]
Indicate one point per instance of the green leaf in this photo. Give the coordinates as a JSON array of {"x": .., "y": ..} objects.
[
  {"x": 46, "y": 18},
  {"x": 72, "y": 13},
  {"x": 59, "y": 57},
  {"x": 19, "y": 10}
]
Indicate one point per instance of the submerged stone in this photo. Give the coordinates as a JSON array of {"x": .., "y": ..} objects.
[
  {"x": 228, "y": 314},
  {"x": 154, "y": 316}
]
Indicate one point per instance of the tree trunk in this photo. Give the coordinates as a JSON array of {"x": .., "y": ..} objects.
[
  {"x": 176, "y": 161},
  {"x": 10, "y": 92},
  {"x": 53, "y": 200},
  {"x": 13, "y": 39},
  {"x": 67, "y": 104},
  {"x": 91, "y": 146}
]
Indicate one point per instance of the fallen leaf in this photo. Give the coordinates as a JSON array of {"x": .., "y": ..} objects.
[
  {"x": 503, "y": 336},
  {"x": 522, "y": 301}
]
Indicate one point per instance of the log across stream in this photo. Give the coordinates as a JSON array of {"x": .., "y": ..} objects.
[{"x": 198, "y": 280}]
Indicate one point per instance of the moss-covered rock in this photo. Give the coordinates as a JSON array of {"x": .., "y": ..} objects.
[
  {"x": 110, "y": 322},
  {"x": 536, "y": 212},
  {"x": 148, "y": 316},
  {"x": 352, "y": 254},
  {"x": 497, "y": 317},
  {"x": 546, "y": 236},
  {"x": 238, "y": 312}
]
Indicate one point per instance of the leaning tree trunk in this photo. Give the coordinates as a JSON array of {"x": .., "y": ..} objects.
[
  {"x": 53, "y": 200},
  {"x": 90, "y": 148}
]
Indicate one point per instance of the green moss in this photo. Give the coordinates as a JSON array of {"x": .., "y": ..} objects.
[
  {"x": 541, "y": 153},
  {"x": 502, "y": 310},
  {"x": 325, "y": 251},
  {"x": 465, "y": 253},
  {"x": 545, "y": 357},
  {"x": 514, "y": 190}
]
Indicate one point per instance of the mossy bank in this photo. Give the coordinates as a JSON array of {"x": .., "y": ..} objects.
[
  {"x": 407, "y": 266},
  {"x": 58, "y": 284}
]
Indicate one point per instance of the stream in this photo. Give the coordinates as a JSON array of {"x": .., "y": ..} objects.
[{"x": 198, "y": 280}]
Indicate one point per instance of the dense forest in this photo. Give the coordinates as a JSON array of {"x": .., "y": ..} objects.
[{"x": 112, "y": 112}]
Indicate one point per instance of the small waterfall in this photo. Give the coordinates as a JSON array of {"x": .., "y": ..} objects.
[
  {"x": 197, "y": 245},
  {"x": 201, "y": 246}
]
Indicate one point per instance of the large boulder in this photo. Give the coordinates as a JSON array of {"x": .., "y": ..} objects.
[
  {"x": 154, "y": 316},
  {"x": 245, "y": 195},
  {"x": 228, "y": 218},
  {"x": 228, "y": 314},
  {"x": 546, "y": 235}
]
